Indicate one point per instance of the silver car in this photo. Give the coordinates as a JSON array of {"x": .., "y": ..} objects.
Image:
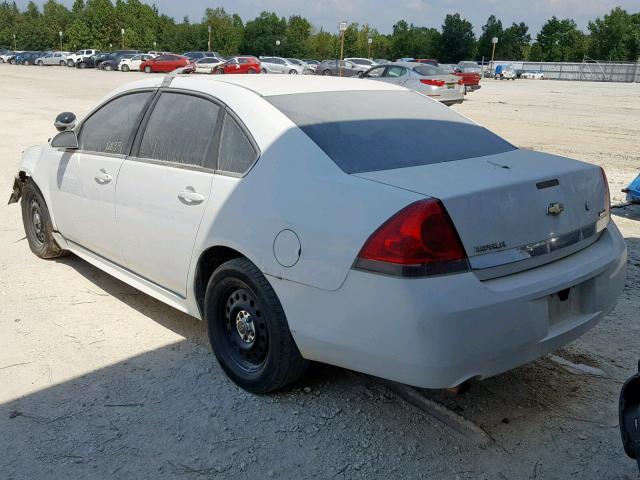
[
  {"x": 280, "y": 65},
  {"x": 54, "y": 58},
  {"x": 422, "y": 78}
]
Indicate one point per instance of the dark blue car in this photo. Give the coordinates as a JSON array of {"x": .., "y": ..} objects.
[{"x": 28, "y": 58}]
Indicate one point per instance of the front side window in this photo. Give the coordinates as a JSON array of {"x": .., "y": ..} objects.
[
  {"x": 236, "y": 150},
  {"x": 110, "y": 128},
  {"x": 181, "y": 129},
  {"x": 375, "y": 72}
]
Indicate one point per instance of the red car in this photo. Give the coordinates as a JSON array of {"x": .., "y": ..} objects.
[
  {"x": 470, "y": 73},
  {"x": 239, "y": 65},
  {"x": 165, "y": 63}
]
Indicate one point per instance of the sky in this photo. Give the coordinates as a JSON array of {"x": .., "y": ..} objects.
[{"x": 382, "y": 14}]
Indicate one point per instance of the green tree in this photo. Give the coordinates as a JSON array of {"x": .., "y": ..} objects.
[
  {"x": 296, "y": 36},
  {"x": 261, "y": 34},
  {"x": 493, "y": 28},
  {"x": 515, "y": 42},
  {"x": 616, "y": 36},
  {"x": 226, "y": 31},
  {"x": 561, "y": 41},
  {"x": 458, "y": 41}
]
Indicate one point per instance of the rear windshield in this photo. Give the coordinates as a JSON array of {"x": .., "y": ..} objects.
[
  {"x": 364, "y": 131},
  {"x": 426, "y": 69}
]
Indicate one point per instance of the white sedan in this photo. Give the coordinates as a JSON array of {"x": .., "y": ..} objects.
[
  {"x": 208, "y": 64},
  {"x": 355, "y": 223},
  {"x": 133, "y": 63},
  {"x": 533, "y": 75}
]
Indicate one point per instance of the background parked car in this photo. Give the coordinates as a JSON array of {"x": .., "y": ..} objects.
[
  {"x": 164, "y": 63},
  {"x": 332, "y": 67},
  {"x": 363, "y": 63},
  {"x": 505, "y": 72},
  {"x": 426, "y": 79},
  {"x": 532, "y": 75},
  {"x": 279, "y": 65},
  {"x": 194, "y": 56},
  {"x": 244, "y": 64},
  {"x": 53, "y": 58},
  {"x": 113, "y": 59},
  {"x": 133, "y": 63},
  {"x": 306, "y": 68},
  {"x": 7, "y": 56},
  {"x": 28, "y": 58},
  {"x": 470, "y": 78},
  {"x": 313, "y": 64},
  {"x": 380, "y": 61},
  {"x": 80, "y": 55},
  {"x": 208, "y": 64},
  {"x": 92, "y": 61}
]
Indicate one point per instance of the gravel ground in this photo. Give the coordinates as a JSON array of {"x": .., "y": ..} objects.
[{"x": 98, "y": 380}]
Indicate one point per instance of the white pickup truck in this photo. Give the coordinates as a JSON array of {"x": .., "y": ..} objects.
[{"x": 74, "y": 58}]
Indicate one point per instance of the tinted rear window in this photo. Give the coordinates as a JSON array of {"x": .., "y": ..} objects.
[{"x": 363, "y": 131}]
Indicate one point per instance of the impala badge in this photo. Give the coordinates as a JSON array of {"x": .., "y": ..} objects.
[{"x": 555, "y": 209}]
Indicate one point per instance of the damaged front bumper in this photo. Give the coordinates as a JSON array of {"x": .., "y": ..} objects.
[{"x": 17, "y": 191}]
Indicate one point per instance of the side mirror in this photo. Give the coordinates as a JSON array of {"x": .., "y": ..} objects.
[
  {"x": 65, "y": 121},
  {"x": 66, "y": 139},
  {"x": 629, "y": 409}
]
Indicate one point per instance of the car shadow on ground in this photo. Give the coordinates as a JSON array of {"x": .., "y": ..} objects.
[{"x": 172, "y": 411}]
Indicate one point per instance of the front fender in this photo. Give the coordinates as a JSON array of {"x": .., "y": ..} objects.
[{"x": 30, "y": 158}]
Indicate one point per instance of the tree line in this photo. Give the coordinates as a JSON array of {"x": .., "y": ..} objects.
[{"x": 99, "y": 24}]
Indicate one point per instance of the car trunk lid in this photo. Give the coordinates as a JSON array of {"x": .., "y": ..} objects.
[{"x": 511, "y": 206}]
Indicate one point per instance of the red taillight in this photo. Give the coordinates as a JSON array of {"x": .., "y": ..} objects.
[
  {"x": 432, "y": 83},
  {"x": 419, "y": 240},
  {"x": 461, "y": 81}
]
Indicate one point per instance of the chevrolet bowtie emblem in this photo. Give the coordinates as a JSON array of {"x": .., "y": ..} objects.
[{"x": 555, "y": 209}]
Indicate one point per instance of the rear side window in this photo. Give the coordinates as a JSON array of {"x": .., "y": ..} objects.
[
  {"x": 110, "y": 128},
  {"x": 363, "y": 131},
  {"x": 237, "y": 153},
  {"x": 181, "y": 129}
]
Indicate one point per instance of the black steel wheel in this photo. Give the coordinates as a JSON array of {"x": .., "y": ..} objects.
[
  {"x": 38, "y": 227},
  {"x": 248, "y": 329}
]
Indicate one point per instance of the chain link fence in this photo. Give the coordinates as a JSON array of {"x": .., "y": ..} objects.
[{"x": 588, "y": 70}]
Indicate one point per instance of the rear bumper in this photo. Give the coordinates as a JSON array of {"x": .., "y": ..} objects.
[
  {"x": 473, "y": 87},
  {"x": 439, "y": 332}
]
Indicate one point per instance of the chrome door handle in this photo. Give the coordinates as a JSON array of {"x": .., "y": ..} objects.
[
  {"x": 103, "y": 177},
  {"x": 190, "y": 197}
]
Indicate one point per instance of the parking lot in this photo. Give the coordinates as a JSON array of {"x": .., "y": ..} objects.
[{"x": 99, "y": 380}]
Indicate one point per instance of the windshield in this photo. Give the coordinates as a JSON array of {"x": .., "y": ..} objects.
[{"x": 363, "y": 131}]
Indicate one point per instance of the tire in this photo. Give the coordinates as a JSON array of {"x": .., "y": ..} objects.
[
  {"x": 1, "y": 60},
  {"x": 125, "y": 68},
  {"x": 108, "y": 67},
  {"x": 71, "y": 63},
  {"x": 251, "y": 71},
  {"x": 327, "y": 73},
  {"x": 218, "y": 71},
  {"x": 263, "y": 71},
  {"x": 12, "y": 61},
  {"x": 248, "y": 329},
  {"x": 26, "y": 62},
  {"x": 40, "y": 63},
  {"x": 37, "y": 223},
  {"x": 293, "y": 72},
  {"x": 82, "y": 65},
  {"x": 147, "y": 69}
]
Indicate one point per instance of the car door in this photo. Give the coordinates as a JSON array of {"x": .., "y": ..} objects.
[
  {"x": 83, "y": 184},
  {"x": 395, "y": 74},
  {"x": 164, "y": 187}
]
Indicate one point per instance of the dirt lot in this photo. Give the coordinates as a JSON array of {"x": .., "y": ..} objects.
[{"x": 98, "y": 380}]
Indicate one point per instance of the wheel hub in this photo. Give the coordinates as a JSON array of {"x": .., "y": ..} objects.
[{"x": 245, "y": 327}]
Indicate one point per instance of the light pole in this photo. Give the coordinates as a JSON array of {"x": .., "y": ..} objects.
[
  {"x": 343, "y": 28},
  {"x": 277, "y": 45},
  {"x": 209, "y": 43},
  {"x": 494, "y": 40},
  {"x": 60, "y": 35},
  {"x": 154, "y": 45},
  {"x": 122, "y": 33},
  {"x": 369, "y": 41},
  {"x": 14, "y": 42}
]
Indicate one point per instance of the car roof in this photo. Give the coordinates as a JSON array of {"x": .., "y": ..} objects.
[{"x": 268, "y": 85}]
